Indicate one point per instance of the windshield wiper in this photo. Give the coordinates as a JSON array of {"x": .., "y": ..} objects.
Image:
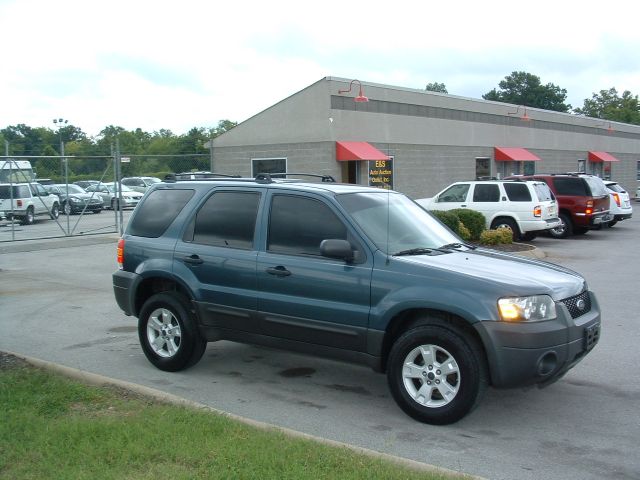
[
  {"x": 419, "y": 251},
  {"x": 458, "y": 245}
]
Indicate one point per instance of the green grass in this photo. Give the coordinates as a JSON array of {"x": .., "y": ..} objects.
[{"x": 55, "y": 428}]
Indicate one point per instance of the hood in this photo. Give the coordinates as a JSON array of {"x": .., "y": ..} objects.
[{"x": 518, "y": 275}]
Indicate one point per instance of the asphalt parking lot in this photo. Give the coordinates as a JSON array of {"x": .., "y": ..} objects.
[{"x": 57, "y": 305}]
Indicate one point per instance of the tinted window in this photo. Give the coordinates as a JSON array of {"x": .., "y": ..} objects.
[
  {"x": 455, "y": 193},
  {"x": 616, "y": 188},
  {"x": 227, "y": 219},
  {"x": 7, "y": 192},
  {"x": 517, "y": 192},
  {"x": 570, "y": 186},
  {"x": 297, "y": 225},
  {"x": 486, "y": 193},
  {"x": 156, "y": 213}
]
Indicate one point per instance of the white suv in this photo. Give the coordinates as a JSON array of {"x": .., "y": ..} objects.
[
  {"x": 619, "y": 202},
  {"x": 526, "y": 207},
  {"x": 29, "y": 200}
]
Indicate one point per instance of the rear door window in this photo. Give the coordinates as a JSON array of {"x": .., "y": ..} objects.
[
  {"x": 517, "y": 192},
  {"x": 227, "y": 219},
  {"x": 486, "y": 192}
]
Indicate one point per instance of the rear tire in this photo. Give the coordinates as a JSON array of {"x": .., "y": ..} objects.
[
  {"x": 436, "y": 374},
  {"x": 507, "y": 223},
  {"x": 55, "y": 211},
  {"x": 29, "y": 217},
  {"x": 565, "y": 229},
  {"x": 528, "y": 236},
  {"x": 168, "y": 332},
  {"x": 612, "y": 223}
]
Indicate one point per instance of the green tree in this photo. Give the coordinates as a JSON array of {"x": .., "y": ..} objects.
[
  {"x": 608, "y": 105},
  {"x": 522, "y": 88},
  {"x": 436, "y": 87}
]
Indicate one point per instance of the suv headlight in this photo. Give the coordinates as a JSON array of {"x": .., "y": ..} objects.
[{"x": 527, "y": 309}]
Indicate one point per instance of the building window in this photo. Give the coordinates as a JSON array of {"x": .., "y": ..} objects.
[
  {"x": 582, "y": 165},
  {"x": 268, "y": 165},
  {"x": 483, "y": 169}
]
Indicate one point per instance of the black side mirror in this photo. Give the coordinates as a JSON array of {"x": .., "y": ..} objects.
[{"x": 336, "y": 248}]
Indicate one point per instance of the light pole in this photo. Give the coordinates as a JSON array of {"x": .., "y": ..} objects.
[{"x": 60, "y": 123}]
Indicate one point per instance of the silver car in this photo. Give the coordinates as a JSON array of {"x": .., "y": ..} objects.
[
  {"x": 140, "y": 184},
  {"x": 109, "y": 193}
]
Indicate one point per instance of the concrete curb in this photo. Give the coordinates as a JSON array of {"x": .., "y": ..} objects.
[{"x": 101, "y": 381}]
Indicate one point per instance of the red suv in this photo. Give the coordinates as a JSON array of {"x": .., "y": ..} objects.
[{"x": 583, "y": 201}]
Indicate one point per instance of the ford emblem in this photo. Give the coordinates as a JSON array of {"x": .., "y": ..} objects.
[{"x": 581, "y": 304}]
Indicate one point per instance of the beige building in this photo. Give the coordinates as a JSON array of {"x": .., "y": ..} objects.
[{"x": 417, "y": 142}]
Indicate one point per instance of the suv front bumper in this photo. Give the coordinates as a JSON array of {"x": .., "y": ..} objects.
[{"x": 528, "y": 353}]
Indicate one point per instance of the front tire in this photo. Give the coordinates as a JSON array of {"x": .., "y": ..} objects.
[
  {"x": 436, "y": 374},
  {"x": 168, "y": 332},
  {"x": 29, "y": 217},
  {"x": 612, "y": 223},
  {"x": 67, "y": 209}
]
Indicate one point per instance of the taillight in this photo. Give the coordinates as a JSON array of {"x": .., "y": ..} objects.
[
  {"x": 19, "y": 203},
  {"x": 616, "y": 197},
  {"x": 537, "y": 211},
  {"x": 589, "y": 209},
  {"x": 120, "y": 254}
]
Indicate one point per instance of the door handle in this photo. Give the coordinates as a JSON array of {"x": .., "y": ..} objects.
[
  {"x": 279, "y": 271},
  {"x": 463, "y": 206},
  {"x": 193, "y": 260}
]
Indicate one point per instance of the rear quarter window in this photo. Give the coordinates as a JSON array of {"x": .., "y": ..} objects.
[{"x": 159, "y": 209}]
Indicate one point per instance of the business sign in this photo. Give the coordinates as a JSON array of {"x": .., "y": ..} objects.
[{"x": 381, "y": 173}]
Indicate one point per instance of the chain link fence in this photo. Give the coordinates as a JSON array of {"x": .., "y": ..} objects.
[{"x": 62, "y": 196}]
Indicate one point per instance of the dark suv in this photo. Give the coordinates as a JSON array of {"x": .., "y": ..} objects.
[
  {"x": 351, "y": 272},
  {"x": 583, "y": 201}
]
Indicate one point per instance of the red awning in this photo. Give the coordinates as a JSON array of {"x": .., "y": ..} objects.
[
  {"x": 513, "y": 154},
  {"x": 602, "y": 157},
  {"x": 346, "y": 151}
]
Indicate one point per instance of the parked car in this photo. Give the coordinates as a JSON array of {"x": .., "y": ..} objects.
[
  {"x": 109, "y": 194},
  {"x": 356, "y": 273},
  {"x": 638, "y": 194},
  {"x": 583, "y": 201},
  {"x": 25, "y": 201},
  {"x": 526, "y": 208},
  {"x": 140, "y": 184},
  {"x": 78, "y": 200},
  {"x": 619, "y": 202},
  {"x": 85, "y": 183}
]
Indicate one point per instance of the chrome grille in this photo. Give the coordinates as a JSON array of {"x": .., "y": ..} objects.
[{"x": 573, "y": 304}]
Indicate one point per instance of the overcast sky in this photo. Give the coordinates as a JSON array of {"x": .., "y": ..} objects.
[{"x": 188, "y": 63}]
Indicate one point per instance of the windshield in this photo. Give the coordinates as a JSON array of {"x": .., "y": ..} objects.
[{"x": 394, "y": 223}]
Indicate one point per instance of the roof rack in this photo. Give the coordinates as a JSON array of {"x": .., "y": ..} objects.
[
  {"x": 269, "y": 177},
  {"x": 174, "y": 177}
]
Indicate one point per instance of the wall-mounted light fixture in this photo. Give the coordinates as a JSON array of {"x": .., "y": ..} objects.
[
  {"x": 360, "y": 97},
  {"x": 524, "y": 117},
  {"x": 609, "y": 127}
]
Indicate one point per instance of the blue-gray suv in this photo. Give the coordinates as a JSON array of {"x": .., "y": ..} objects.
[{"x": 351, "y": 272}]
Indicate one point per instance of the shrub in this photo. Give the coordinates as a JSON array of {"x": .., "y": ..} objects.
[
  {"x": 473, "y": 220},
  {"x": 496, "y": 237},
  {"x": 451, "y": 220}
]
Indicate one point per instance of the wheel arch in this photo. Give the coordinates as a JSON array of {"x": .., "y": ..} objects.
[
  {"x": 414, "y": 317},
  {"x": 149, "y": 286}
]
